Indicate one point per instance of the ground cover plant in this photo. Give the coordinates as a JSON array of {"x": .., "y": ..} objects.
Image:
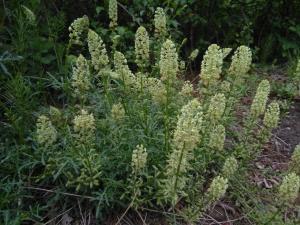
[{"x": 138, "y": 137}]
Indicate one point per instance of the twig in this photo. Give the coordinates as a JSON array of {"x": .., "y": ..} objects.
[
  {"x": 120, "y": 219},
  {"x": 59, "y": 192},
  {"x": 58, "y": 216},
  {"x": 213, "y": 219},
  {"x": 80, "y": 211},
  {"x": 132, "y": 16},
  {"x": 144, "y": 222},
  {"x": 157, "y": 211}
]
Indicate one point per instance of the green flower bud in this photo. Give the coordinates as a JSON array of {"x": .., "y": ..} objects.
[
  {"x": 181, "y": 65},
  {"x": 194, "y": 54}
]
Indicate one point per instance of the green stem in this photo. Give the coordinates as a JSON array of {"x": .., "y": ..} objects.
[
  {"x": 167, "y": 134},
  {"x": 178, "y": 168}
]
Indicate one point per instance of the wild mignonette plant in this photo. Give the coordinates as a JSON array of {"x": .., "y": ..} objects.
[
  {"x": 141, "y": 136},
  {"x": 78, "y": 30},
  {"x": 160, "y": 23},
  {"x": 113, "y": 13}
]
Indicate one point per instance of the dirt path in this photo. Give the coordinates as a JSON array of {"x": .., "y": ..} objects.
[{"x": 289, "y": 130}]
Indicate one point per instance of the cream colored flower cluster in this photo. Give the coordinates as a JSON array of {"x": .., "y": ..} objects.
[
  {"x": 84, "y": 127},
  {"x": 113, "y": 13},
  {"x": 77, "y": 29},
  {"x": 139, "y": 159},
  {"x": 141, "y": 47},
  {"x": 229, "y": 167},
  {"x": 81, "y": 77},
  {"x": 216, "y": 107},
  {"x": 160, "y": 23},
  {"x": 46, "y": 133},
  {"x": 187, "y": 89},
  {"x": 271, "y": 117},
  {"x": 117, "y": 112},
  {"x": 211, "y": 66},
  {"x": 122, "y": 69},
  {"x": 258, "y": 106},
  {"x": 289, "y": 189},
  {"x": 168, "y": 63},
  {"x": 217, "y": 189},
  {"x": 217, "y": 138},
  {"x": 98, "y": 51},
  {"x": 241, "y": 62},
  {"x": 186, "y": 137}
]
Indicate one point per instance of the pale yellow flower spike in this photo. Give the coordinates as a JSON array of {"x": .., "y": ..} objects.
[
  {"x": 168, "y": 63},
  {"x": 113, "y": 13},
  {"x": 81, "y": 77},
  {"x": 211, "y": 66},
  {"x": 141, "y": 47},
  {"x": 289, "y": 189},
  {"x": 258, "y": 106},
  {"x": 160, "y": 23},
  {"x": 97, "y": 50}
]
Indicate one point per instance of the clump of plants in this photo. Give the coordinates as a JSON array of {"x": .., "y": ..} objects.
[{"x": 142, "y": 137}]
